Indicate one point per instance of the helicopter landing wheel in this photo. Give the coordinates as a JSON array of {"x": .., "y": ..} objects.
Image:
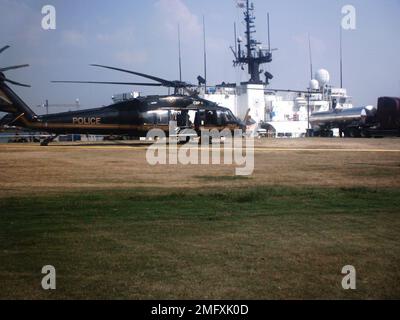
[
  {"x": 184, "y": 141},
  {"x": 46, "y": 141}
]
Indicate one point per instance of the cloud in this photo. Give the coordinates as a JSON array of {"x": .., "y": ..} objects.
[
  {"x": 173, "y": 12},
  {"x": 73, "y": 38},
  {"x": 104, "y": 37},
  {"x": 123, "y": 44},
  {"x": 119, "y": 36},
  {"x": 131, "y": 58},
  {"x": 19, "y": 22},
  {"x": 318, "y": 46}
]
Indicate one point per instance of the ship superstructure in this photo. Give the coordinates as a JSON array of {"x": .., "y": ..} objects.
[{"x": 275, "y": 113}]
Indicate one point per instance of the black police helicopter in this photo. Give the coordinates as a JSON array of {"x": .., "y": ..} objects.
[{"x": 133, "y": 117}]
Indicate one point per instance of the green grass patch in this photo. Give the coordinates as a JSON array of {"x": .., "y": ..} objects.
[{"x": 261, "y": 242}]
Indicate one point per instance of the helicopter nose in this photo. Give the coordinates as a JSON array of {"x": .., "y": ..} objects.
[{"x": 242, "y": 126}]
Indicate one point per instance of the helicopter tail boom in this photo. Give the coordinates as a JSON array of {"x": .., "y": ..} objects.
[{"x": 11, "y": 103}]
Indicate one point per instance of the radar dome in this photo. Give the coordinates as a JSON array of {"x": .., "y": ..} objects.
[
  {"x": 322, "y": 76},
  {"x": 314, "y": 84}
]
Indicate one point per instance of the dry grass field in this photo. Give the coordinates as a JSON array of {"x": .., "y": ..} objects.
[
  {"x": 31, "y": 169},
  {"x": 116, "y": 227}
]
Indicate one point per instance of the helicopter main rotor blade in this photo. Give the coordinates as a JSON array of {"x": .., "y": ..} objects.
[
  {"x": 117, "y": 83},
  {"x": 4, "y": 48},
  {"x": 163, "y": 81},
  {"x": 17, "y": 83},
  {"x": 14, "y": 67}
]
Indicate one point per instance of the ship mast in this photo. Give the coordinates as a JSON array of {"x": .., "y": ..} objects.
[{"x": 255, "y": 56}]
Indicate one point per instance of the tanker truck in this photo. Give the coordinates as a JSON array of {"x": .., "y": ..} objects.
[{"x": 369, "y": 121}]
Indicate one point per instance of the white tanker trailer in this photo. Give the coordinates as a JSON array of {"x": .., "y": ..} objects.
[
  {"x": 361, "y": 121},
  {"x": 349, "y": 121}
]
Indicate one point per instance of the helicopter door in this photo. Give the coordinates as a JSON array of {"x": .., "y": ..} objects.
[
  {"x": 179, "y": 119},
  {"x": 199, "y": 119},
  {"x": 183, "y": 119},
  {"x": 173, "y": 122},
  {"x": 211, "y": 118}
]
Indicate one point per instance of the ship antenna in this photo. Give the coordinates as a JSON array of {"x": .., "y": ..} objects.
[
  {"x": 180, "y": 56},
  {"x": 235, "y": 35},
  {"x": 248, "y": 32},
  {"x": 310, "y": 52},
  {"x": 269, "y": 35},
  {"x": 205, "y": 55},
  {"x": 341, "y": 59},
  {"x": 254, "y": 56}
]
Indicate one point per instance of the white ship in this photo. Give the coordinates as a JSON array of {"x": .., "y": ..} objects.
[{"x": 274, "y": 113}]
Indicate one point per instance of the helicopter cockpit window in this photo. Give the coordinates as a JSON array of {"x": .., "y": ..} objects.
[
  {"x": 221, "y": 118},
  {"x": 230, "y": 116},
  {"x": 225, "y": 117}
]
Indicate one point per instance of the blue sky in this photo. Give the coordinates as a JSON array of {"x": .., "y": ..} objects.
[{"x": 141, "y": 36}]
